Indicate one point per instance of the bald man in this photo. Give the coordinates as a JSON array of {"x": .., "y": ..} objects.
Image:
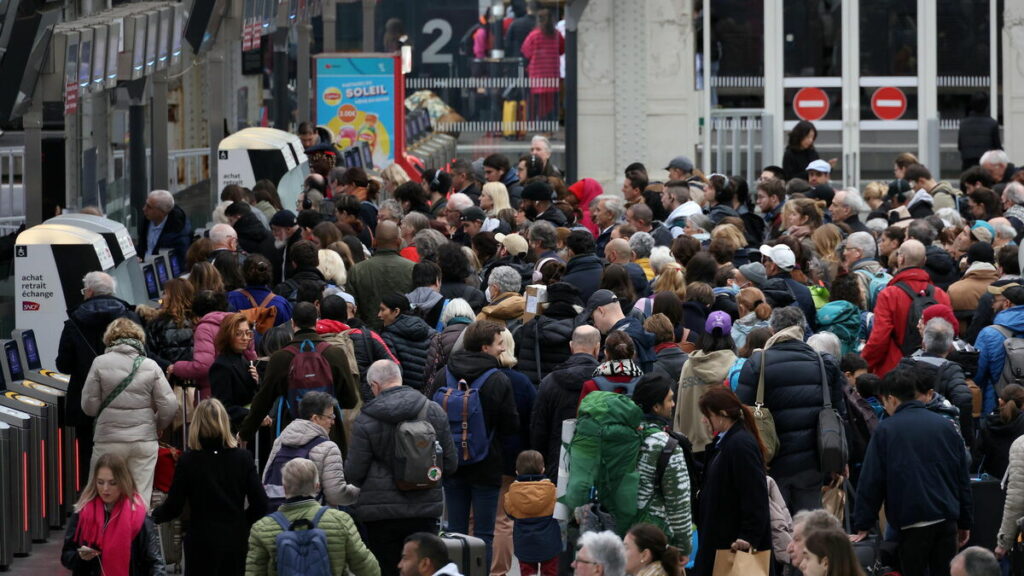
[
  {"x": 617, "y": 251},
  {"x": 384, "y": 272},
  {"x": 890, "y": 338},
  {"x": 559, "y": 395}
]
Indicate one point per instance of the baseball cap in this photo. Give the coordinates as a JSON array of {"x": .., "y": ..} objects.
[
  {"x": 514, "y": 243},
  {"x": 780, "y": 254},
  {"x": 1000, "y": 286},
  {"x": 537, "y": 190},
  {"x": 754, "y": 272},
  {"x": 822, "y": 192},
  {"x": 473, "y": 214},
  {"x": 597, "y": 299},
  {"x": 983, "y": 231},
  {"x": 720, "y": 320},
  {"x": 284, "y": 219},
  {"x": 939, "y": 311},
  {"x": 681, "y": 163},
  {"x": 820, "y": 166}
]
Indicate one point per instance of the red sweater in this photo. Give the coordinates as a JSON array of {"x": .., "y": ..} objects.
[{"x": 543, "y": 52}]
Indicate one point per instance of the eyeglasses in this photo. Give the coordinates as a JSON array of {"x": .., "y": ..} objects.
[
  {"x": 243, "y": 334},
  {"x": 582, "y": 561}
]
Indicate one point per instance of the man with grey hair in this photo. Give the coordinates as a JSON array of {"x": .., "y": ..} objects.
[
  {"x": 859, "y": 258},
  {"x": 846, "y": 208},
  {"x": 997, "y": 164},
  {"x": 81, "y": 342},
  {"x": 806, "y": 522},
  {"x": 224, "y": 238},
  {"x": 540, "y": 147},
  {"x": 641, "y": 243},
  {"x": 307, "y": 437},
  {"x": 677, "y": 198},
  {"x": 606, "y": 211},
  {"x": 600, "y": 553},
  {"x": 453, "y": 215},
  {"x": 391, "y": 210},
  {"x": 792, "y": 390},
  {"x": 642, "y": 218},
  {"x": 163, "y": 225},
  {"x": 345, "y": 549},
  {"x": 975, "y": 561},
  {"x": 389, "y": 514},
  {"x": 507, "y": 305},
  {"x": 1005, "y": 232},
  {"x": 543, "y": 240}
]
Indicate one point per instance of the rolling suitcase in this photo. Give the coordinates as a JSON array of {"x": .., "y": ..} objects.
[
  {"x": 988, "y": 498},
  {"x": 467, "y": 552}
]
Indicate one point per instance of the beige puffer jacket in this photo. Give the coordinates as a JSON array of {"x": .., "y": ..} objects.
[
  {"x": 326, "y": 456},
  {"x": 141, "y": 411},
  {"x": 1013, "y": 510}
]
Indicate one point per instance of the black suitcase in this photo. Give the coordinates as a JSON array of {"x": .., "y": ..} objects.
[
  {"x": 988, "y": 499},
  {"x": 467, "y": 552}
]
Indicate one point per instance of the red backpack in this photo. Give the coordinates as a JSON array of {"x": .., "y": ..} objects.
[{"x": 308, "y": 372}]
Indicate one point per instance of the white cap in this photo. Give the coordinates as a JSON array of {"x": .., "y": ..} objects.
[
  {"x": 780, "y": 254},
  {"x": 820, "y": 166}
]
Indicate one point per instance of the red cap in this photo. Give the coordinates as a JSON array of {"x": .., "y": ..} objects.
[{"x": 939, "y": 311}]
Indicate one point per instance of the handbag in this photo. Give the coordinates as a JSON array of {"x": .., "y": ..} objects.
[
  {"x": 833, "y": 451},
  {"x": 763, "y": 418},
  {"x": 833, "y": 498},
  {"x": 740, "y": 563}
]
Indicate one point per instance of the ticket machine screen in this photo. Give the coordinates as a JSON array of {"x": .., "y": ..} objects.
[
  {"x": 161, "y": 269},
  {"x": 14, "y": 361},
  {"x": 176, "y": 267},
  {"x": 28, "y": 337},
  {"x": 152, "y": 288}
]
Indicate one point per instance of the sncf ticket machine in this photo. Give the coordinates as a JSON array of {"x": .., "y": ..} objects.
[
  {"x": 49, "y": 263},
  {"x": 60, "y": 494},
  {"x": 40, "y": 476},
  {"x": 127, "y": 271},
  {"x": 8, "y": 521},
  {"x": 32, "y": 363},
  {"x": 20, "y": 492}
]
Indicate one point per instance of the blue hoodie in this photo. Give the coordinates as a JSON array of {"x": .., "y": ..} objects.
[
  {"x": 992, "y": 354},
  {"x": 643, "y": 341}
]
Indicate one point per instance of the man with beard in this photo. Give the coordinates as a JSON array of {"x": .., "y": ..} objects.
[
  {"x": 537, "y": 205},
  {"x": 286, "y": 232}
]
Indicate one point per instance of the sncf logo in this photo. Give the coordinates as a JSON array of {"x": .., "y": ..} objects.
[{"x": 29, "y": 306}]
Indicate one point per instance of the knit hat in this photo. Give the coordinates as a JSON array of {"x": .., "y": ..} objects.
[
  {"x": 564, "y": 292},
  {"x": 283, "y": 219},
  {"x": 537, "y": 190},
  {"x": 754, "y": 272},
  {"x": 981, "y": 252},
  {"x": 939, "y": 311},
  {"x": 983, "y": 231}
]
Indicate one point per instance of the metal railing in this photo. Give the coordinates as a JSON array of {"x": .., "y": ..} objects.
[
  {"x": 740, "y": 139},
  {"x": 186, "y": 167},
  {"x": 12, "y": 193}
]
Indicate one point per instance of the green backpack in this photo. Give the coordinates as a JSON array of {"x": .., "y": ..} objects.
[
  {"x": 842, "y": 319},
  {"x": 603, "y": 456}
]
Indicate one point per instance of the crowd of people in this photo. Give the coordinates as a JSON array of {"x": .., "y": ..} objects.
[{"x": 751, "y": 350}]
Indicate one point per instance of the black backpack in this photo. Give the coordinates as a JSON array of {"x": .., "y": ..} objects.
[
  {"x": 918, "y": 302},
  {"x": 692, "y": 469}
]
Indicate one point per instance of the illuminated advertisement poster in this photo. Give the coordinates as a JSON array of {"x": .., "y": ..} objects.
[{"x": 357, "y": 98}]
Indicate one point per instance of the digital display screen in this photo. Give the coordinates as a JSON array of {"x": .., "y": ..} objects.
[
  {"x": 28, "y": 338},
  {"x": 152, "y": 288},
  {"x": 99, "y": 66},
  {"x": 139, "y": 43},
  {"x": 85, "y": 64},
  {"x": 161, "y": 269},
  {"x": 175, "y": 264},
  {"x": 14, "y": 361}
]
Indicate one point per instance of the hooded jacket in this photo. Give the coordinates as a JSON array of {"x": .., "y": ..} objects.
[
  {"x": 882, "y": 350},
  {"x": 409, "y": 338},
  {"x": 944, "y": 195},
  {"x": 994, "y": 441},
  {"x": 507, "y": 309},
  {"x": 424, "y": 301},
  {"x": 992, "y": 355},
  {"x": 204, "y": 353},
  {"x": 370, "y": 463},
  {"x": 252, "y": 234},
  {"x": 501, "y": 418},
  {"x": 137, "y": 414},
  {"x": 441, "y": 346},
  {"x": 326, "y": 456},
  {"x": 742, "y": 328},
  {"x": 585, "y": 191},
  {"x": 530, "y": 502},
  {"x": 699, "y": 373},
  {"x": 556, "y": 402},
  {"x": 670, "y": 360},
  {"x": 82, "y": 341},
  {"x": 643, "y": 341},
  {"x": 548, "y": 337},
  {"x": 584, "y": 272}
]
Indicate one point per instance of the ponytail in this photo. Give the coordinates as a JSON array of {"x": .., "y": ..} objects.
[
  {"x": 372, "y": 189},
  {"x": 650, "y": 537},
  {"x": 1013, "y": 401}
]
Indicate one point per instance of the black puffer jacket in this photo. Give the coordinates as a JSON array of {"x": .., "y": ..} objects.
[
  {"x": 82, "y": 341},
  {"x": 994, "y": 443},
  {"x": 169, "y": 340},
  {"x": 369, "y": 347},
  {"x": 556, "y": 401},
  {"x": 371, "y": 457},
  {"x": 793, "y": 393},
  {"x": 409, "y": 339},
  {"x": 940, "y": 266},
  {"x": 473, "y": 296},
  {"x": 949, "y": 380},
  {"x": 501, "y": 417},
  {"x": 554, "y": 334},
  {"x": 310, "y": 277}
]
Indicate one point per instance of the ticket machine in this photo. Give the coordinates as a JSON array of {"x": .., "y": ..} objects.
[
  {"x": 40, "y": 475},
  {"x": 60, "y": 495},
  {"x": 127, "y": 270},
  {"x": 50, "y": 261},
  {"x": 8, "y": 522},
  {"x": 32, "y": 363},
  {"x": 19, "y": 493},
  {"x": 253, "y": 154}
]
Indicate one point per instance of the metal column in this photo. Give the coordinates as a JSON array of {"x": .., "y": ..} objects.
[
  {"x": 927, "y": 93},
  {"x": 302, "y": 72},
  {"x": 158, "y": 131},
  {"x": 32, "y": 173},
  {"x": 282, "y": 110},
  {"x": 573, "y": 12},
  {"x": 137, "y": 170},
  {"x": 369, "y": 27},
  {"x": 330, "y": 25},
  {"x": 215, "y": 90}
]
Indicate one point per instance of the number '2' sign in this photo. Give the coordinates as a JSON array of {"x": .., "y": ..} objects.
[{"x": 437, "y": 51}]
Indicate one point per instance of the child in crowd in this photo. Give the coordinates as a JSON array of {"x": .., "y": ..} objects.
[
  {"x": 867, "y": 387},
  {"x": 530, "y": 502}
]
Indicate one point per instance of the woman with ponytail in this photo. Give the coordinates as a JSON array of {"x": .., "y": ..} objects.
[
  {"x": 648, "y": 552},
  {"x": 754, "y": 313},
  {"x": 1000, "y": 429},
  {"x": 734, "y": 510}
]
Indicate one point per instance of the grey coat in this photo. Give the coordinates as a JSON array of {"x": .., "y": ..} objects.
[
  {"x": 371, "y": 455},
  {"x": 326, "y": 456}
]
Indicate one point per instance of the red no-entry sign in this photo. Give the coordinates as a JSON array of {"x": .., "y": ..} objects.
[
  {"x": 888, "y": 103},
  {"x": 810, "y": 104}
]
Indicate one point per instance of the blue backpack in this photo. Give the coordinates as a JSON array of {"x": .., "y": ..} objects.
[
  {"x": 876, "y": 283},
  {"x": 302, "y": 552},
  {"x": 272, "y": 481},
  {"x": 461, "y": 402}
]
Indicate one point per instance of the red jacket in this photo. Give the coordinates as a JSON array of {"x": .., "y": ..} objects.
[{"x": 882, "y": 350}]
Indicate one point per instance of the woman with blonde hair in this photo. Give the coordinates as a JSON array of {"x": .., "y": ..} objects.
[
  {"x": 672, "y": 278},
  {"x": 801, "y": 216},
  {"x": 826, "y": 240},
  {"x": 109, "y": 532},
  {"x": 131, "y": 401},
  {"x": 874, "y": 195},
  {"x": 393, "y": 176},
  {"x": 215, "y": 478}
]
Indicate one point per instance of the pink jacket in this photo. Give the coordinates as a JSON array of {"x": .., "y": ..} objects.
[
  {"x": 204, "y": 353},
  {"x": 585, "y": 191}
]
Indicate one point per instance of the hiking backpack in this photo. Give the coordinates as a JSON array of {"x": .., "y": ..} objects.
[
  {"x": 603, "y": 456},
  {"x": 272, "y": 481},
  {"x": 918, "y": 302},
  {"x": 261, "y": 316},
  {"x": 606, "y": 385},
  {"x": 841, "y": 318},
  {"x": 308, "y": 372},
  {"x": 876, "y": 283},
  {"x": 1013, "y": 362},
  {"x": 418, "y": 454},
  {"x": 461, "y": 402},
  {"x": 302, "y": 552}
]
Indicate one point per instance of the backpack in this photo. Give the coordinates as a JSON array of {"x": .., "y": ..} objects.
[
  {"x": 876, "y": 283},
  {"x": 603, "y": 456},
  {"x": 606, "y": 385},
  {"x": 344, "y": 341},
  {"x": 461, "y": 402},
  {"x": 308, "y": 372},
  {"x": 262, "y": 316},
  {"x": 862, "y": 422},
  {"x": 677, "y": 439},
  {"x": 302, "y": 552},
  {"x": 1013, "y": 364},
  {"x": 272, "y": 482},
  {"x": 418, "y": 454},
  {"x": 425, "y": 313},
  {"x": 842, "y": 319},
  {"x": 918, "y": 302}
]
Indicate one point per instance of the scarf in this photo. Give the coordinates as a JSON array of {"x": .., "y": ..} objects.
[
  {"x": 618, "y": 368},
  {"x": 114, "y": 538},
  {"x": 791, "y": 333}
]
